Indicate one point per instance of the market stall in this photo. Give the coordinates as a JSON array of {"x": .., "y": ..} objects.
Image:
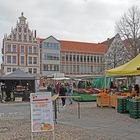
[
  {"x": 18, "y": 84},
  {"x": 127, "y": 102},
  {"x": 128, "y": 69}
]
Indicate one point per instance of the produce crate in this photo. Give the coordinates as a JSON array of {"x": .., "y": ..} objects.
[
  {"x": 127, "y": 104},
  {"x": 121, "y": 105},
  {"x": 103, "y": 101},
  {"x": 134, "y": 108},
  {"x": 113, "y": 101}
]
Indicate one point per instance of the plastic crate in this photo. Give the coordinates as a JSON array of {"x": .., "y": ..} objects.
[
  {"x": 121, "y": 105},
  {"x": 134, "y": 109}
]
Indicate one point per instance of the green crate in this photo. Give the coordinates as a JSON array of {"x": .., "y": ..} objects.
[{"x": 121, "y": 105}]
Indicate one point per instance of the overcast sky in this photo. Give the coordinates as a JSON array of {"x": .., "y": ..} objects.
[{"x": 77, "y": 20}]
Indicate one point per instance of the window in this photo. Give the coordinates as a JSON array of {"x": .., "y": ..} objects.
[
  {"x": 91, "y": 58},
  {"x": 25, "y": 30},
  {"x": 14, "y": 48},
  {"x": 14, "y": 36},
  {"x": 94, "y": 58},
  {"x": 34, "y": 49},
  {"x": 30, "y": 38},
  {"x": 14, "y": 69},
  {"x": 22, "y": 60},
  {"x": 45, "y": 67},
  {"x": 81, "y": 58},
  {"x": 35, "y": 60},
  {"x": 97, "y": 59},
  {"x": 45, "y": 56},
  {"x": 84, "y": 58},
  {"x": 19, "y": 37},
  {"x": 74, "y": 58},
  {"x": 70, "y": 57},
  {"x": 22, "y": 49},
  {"x": 9, "y": 59},
  {"x": 30, "y": 70},
  {"x": 52, "y": 56},
  {"x": 9, "y": 47},
  {"x": 77, "y": 58},
  {"x": 25, "y": 37},
  {"x": 14, "y": 59},
  {"x": 19, "y": 29},
  {"x": 30, "y": 60},
  {"x": 30, "y": 50},
  {"x": 49, "y": 67},
  {"x": 8, "y": 69},
  {"x": 67, "y": 57},
  {"x": 63, "y": 57},
  {"x": 88, "y": 59},
  {"x": 34, "y": 70},
  {"x": 56, "y": 67}
]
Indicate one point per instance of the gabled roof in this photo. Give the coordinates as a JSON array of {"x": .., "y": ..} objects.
[
  {"x": 18, "y": 75},
  {"x": 108, "y": 41},
  {"x": 82, "y": 46}
]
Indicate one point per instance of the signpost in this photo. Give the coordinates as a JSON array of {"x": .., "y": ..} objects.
[{"x": 41, "y": 112}]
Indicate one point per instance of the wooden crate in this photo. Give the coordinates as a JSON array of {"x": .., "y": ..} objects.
[
  {"x": 103, "y": 101},
  {"x": 113, "y": 101}
]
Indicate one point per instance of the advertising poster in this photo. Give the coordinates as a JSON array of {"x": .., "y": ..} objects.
[{"x": 41, "y": 112}]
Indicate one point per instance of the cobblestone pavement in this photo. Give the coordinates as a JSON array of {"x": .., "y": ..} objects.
[{"x": 94, "y": 124}]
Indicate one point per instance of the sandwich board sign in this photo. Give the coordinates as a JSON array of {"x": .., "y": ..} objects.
[{"x": 41, "y": 112}]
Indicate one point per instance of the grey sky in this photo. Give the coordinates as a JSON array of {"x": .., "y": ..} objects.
[{"x": 77, "y": 20}]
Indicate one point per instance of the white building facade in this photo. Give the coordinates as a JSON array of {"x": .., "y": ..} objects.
[
  {"x": 116, "y": 54},
  {"x": 50, "y": 57}
]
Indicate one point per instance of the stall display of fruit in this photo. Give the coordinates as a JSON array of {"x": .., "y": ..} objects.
[
  {"x": 87, "y": 91},
  {"x": 137, "y": 98},
  {"x": 123, "y": 94},
  {"x": 103, "y": 93}
]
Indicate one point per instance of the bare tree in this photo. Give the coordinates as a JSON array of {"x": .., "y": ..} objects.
[{"x": 129, "y": 29}]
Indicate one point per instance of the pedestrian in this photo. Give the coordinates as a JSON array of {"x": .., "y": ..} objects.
[
  {"x": 69, "y": 92},
  {"x": 63, "y": 93},
  {"x": 3, "y": 92},
  {"x": 57, "y": 88}
]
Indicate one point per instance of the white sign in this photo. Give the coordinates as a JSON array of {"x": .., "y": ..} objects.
[
  {"x": 41, "y": 112},
  {"x": 18, "y": 99}
]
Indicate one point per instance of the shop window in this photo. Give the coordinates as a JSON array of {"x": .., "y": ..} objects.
[
  {"x": 30, "y": 70},
  {"x": 8, "y": 69}
]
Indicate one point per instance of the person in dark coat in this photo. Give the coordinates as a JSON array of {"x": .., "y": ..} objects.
[
  {"x": 3, "y": 91},
  {"x": 63, "y": 93}
]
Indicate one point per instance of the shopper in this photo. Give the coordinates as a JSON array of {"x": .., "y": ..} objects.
[
  {"x": 69, "y": 92},
  {"x": 3, "y": 91},
  {"x": 63, "y": 93}
]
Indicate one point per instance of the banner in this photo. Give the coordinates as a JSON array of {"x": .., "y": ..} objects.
[{"x": 41, "y": 112}]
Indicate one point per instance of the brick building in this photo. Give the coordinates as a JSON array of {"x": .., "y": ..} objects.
[{"x": 21, "y": 49}]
